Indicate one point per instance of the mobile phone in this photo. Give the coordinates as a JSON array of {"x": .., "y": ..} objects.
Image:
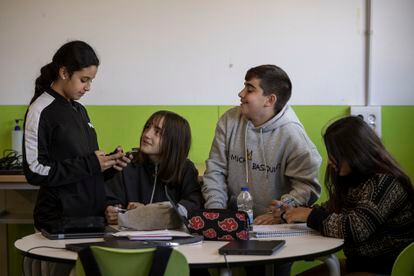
[
  {"x": 132, "y": 151},
  {"x": 113, "y": 152}
]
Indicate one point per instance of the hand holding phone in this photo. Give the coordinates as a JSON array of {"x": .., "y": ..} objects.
[
  {"x": 130, "y": 154},
  {"x": 121, "y": 161}
]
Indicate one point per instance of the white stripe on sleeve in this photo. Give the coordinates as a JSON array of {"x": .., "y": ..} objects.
[{"x": 31, "y": 135}]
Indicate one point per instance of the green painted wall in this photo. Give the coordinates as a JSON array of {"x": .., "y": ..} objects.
[{"x": 122, "y": 125}]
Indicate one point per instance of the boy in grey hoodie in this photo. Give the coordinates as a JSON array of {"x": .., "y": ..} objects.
[{"x": 262, "y": 145}]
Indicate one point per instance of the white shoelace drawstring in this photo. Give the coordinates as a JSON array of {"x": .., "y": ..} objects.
[{"x": 155, "y": 183}]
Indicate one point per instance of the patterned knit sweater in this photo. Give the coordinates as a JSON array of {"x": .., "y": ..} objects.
[{"x": 376, "y": 223}]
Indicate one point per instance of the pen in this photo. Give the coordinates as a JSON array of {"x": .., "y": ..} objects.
[
  {"x": 120, "y": 210},
  {"x": 287, "y": 202}
]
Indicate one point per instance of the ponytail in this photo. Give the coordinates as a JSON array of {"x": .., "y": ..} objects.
[
  {"x": 48, "y": 74},
  {"x": 74, "y": 56}
]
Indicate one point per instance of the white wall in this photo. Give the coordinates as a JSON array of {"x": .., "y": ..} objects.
[
  {"x": 392, "y": 74},
  {"x": 184, "y": 52}
]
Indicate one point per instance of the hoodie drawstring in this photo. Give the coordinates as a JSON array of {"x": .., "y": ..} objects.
[
  {"x": 155, "y": 183},
  {"x": 246, "y": 165},
  {"x": 263, "y": 152}
]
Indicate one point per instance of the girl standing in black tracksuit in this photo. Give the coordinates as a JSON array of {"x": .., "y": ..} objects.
[
  {"x": 160, "y": 163},
  {"x": 61, "y": 153}
]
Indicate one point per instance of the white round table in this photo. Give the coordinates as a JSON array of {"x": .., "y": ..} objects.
[{"x": 204, "y": 255}]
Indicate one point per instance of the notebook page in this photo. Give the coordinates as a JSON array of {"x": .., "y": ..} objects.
[
  {"x": 154, "y": 233},
  {"x": 281, "y": 230}
]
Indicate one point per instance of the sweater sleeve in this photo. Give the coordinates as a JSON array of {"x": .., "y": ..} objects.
[
  {"x": 379, "y": 198},
  {"x": 214, "y": 180},
  {"x": 42, "y": 170},
  {"x": 191, "y": 197},
  {"x": 115, "y": 191},
  {"x": 316, "y": 218},
  {"x": 302, "y": 168}
]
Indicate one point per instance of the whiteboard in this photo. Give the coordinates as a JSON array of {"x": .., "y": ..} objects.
[
  {"x": 392, "y": 66},
  {"x": 185, "y": 52}
]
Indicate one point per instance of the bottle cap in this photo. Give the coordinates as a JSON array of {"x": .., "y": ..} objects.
[
  {"x": 17, "y": 127},
  {"x": 244, "y": 189}
]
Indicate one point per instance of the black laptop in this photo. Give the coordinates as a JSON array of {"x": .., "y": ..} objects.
[
  {"x": 76, "y": 228},
  {"x": 251, "y": 247},
  {"x": 79, "y": 234},
  {"x": 115, "y": 242}
]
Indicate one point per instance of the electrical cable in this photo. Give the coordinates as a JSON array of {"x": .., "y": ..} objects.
[
  {"x": 36, "y": 247},
  {"x": 227, "y": 264},
  {"x": 11, "y": 160}
]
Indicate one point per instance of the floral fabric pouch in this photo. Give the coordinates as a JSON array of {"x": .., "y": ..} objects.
[{"x": 219, "y": 224}]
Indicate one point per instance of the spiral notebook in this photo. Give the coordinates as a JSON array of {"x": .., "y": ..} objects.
[{"x": 281, "y": 230}]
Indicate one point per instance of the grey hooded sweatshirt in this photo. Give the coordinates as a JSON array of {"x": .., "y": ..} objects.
[{"x": 282, "y": 162}]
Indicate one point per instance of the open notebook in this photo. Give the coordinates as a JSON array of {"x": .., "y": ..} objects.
[
  {"x": 152, "y": 235},
  {"x": 281, "y": 230}
]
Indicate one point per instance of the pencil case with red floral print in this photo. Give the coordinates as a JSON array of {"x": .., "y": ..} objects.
[{"x": 219, "y": 224}]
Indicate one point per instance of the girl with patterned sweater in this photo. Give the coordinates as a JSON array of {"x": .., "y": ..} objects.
[{"x": 371, "y": 200}]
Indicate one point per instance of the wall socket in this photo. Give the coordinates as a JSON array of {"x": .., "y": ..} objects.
[{"x": 371, "y": 115}]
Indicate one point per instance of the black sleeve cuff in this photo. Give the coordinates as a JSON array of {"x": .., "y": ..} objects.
[
  {"x": 316, "y": 218},
  {"x": 109, "y": 173}
]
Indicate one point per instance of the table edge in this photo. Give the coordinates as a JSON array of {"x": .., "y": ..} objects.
[{"x": 306, "y": 257}]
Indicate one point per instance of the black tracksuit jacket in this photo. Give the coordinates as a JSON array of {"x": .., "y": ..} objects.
[
  {"x": 136, "y": 182},
  {"x": 58, "y": 156}
]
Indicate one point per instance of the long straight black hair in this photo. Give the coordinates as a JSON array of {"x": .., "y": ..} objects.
[
  {"x": 74, "y": 56},
  {"x": 175, "y": 145},
  {"x": 351, "y": 140}
]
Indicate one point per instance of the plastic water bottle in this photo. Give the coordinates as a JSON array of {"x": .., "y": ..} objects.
[
  {"x": 17, "y": 138},
  {"x": 245, "y": 203}
]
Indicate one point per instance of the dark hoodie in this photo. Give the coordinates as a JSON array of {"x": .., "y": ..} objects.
[{"x": 137, "y": 183}]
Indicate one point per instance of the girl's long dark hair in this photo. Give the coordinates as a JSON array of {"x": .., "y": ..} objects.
[
  {"x": 74, "y": 56},
  {"x": 175, "y": 145},
  {"x": 351, "y": 140}
]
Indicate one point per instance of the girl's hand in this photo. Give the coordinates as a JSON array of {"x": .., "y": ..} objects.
[
  {"x": 120, "y": 158},
  {"x": 116, "y": 159},
  {"x": 268, "y": 218},
  {"x": 105, "y": 161},
  {"x": 296, "y": 214},
  {"x": 276, "y": 208},
  {"x": 133, "y": 205},
  {"x": 111, "y": 214}
]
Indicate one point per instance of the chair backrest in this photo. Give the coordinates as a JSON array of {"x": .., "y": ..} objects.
[
  {"x": 137, "y": 262},
  {"x": 404, "y": 264}
]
